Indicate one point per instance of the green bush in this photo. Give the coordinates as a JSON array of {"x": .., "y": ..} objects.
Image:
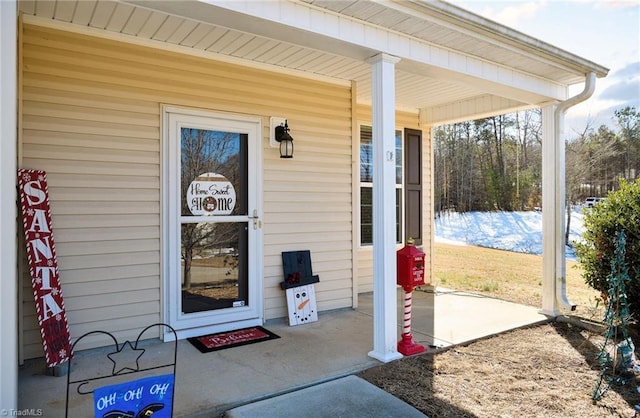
[{"x": 620, "y": 211}]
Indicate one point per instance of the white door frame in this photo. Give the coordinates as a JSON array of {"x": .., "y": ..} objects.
[{"x": 194, "y": 324}]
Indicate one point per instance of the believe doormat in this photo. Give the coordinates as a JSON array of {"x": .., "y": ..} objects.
[{"x": 222, "y": 340}]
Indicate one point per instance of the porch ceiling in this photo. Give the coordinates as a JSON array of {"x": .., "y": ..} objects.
[{"x": 216, "y": 28}]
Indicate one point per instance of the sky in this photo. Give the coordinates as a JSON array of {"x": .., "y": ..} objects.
[{"x": 606, "y": 32}]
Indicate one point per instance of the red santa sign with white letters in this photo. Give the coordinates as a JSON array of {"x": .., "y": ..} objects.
[{"x": 43, "y": 266}]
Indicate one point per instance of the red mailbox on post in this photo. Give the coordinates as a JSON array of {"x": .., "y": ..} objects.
[
  {"x": 410, "y": 266},
  {"x": 410, "y": 273}
]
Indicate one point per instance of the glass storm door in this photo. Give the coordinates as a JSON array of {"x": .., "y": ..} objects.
[{"x": 213, "y": 252}]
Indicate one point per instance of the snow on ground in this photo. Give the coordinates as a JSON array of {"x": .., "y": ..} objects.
[{"x": 512, "y": 231}]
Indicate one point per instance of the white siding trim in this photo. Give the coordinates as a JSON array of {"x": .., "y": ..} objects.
[
  {"x": 8, "y": 246},
  {"x": 428, "y": 201},
  {"x": 355, "y": 192}
]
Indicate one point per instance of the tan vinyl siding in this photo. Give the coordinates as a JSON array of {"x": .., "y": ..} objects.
[
  {"x": 91, "y": 119},
  {"x": 307, "y": 199},
  {"x": 365, "y": 253}
]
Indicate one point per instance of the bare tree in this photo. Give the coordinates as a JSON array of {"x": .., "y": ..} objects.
[{"x": 495, "y": 163}]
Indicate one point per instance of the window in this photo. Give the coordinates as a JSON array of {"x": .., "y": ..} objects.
[{"x": 366, "y": 186}]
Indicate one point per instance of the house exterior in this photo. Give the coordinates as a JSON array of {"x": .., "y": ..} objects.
[{"x": 170, "y": 201}]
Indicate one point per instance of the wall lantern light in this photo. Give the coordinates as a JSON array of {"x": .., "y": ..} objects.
[
  {"x": 285, "y": 140},
  {"x": 279, "y": 137}
]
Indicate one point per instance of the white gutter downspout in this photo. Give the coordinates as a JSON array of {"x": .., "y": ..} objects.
[{"x": 558, "y": 122}]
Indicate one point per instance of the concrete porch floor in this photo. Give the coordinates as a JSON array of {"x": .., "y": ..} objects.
[{"x": 305, "y": 355}]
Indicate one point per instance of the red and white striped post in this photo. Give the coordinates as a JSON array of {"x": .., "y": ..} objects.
[
  {"x": 410, "y": 274},
  {"x": 407, "y": 346}
]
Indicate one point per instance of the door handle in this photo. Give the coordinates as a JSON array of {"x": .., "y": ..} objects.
[{"x": 257, "y": 223}]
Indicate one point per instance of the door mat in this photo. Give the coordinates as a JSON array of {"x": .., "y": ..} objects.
[{"x": 222, "y": 340}]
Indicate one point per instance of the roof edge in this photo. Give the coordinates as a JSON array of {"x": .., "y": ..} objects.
[{"x": 490, "y": 28}]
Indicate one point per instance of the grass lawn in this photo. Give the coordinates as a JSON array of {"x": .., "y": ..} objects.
[{"x": 510, "y": 276}]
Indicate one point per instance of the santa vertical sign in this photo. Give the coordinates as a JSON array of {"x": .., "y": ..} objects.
[{"x": 43, "y": 266}]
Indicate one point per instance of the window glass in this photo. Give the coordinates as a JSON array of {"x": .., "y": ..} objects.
[
  {"x": 399, "y": 158},
  {"x": 366, "y": 186},
  {"x": 366, "y": 216},
  {"x": 366, "y": 154},
  {"x": 212, "y": 182}
]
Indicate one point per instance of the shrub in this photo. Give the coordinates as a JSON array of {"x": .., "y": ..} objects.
[{"x": 620, "y": 211}]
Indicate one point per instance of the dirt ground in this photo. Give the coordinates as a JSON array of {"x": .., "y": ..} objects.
[{"x": 544, "y": 371}]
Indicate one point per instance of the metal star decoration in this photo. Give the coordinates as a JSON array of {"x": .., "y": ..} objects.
[{"x": 124, "y": 357}]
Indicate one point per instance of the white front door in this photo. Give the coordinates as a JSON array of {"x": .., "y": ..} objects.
[{"x": 212, "y": 240}]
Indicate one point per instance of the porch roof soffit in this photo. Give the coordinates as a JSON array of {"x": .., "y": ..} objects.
[
  {"x": 308, "y": 37},
  {"x": 331, "y": 32},
  {"x": 433, "y": 39}
]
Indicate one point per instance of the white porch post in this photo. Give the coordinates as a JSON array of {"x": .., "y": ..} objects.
[
  {"x": 8, "y": 241},
  {"x": 553, "y": 207},
  {"x": 385, "y": 328}
]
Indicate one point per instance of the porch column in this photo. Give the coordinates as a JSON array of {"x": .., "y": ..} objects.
[
  {"x": 8, "y": 242},
  {"x": 553, "y": 205},
  {"x": 385, "y": 326}
]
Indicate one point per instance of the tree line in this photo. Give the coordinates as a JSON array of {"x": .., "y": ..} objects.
[{"x": 496, "y": 163}]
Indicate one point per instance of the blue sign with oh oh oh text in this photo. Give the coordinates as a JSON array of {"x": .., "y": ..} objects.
[{"x": 150, "y": 396}]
